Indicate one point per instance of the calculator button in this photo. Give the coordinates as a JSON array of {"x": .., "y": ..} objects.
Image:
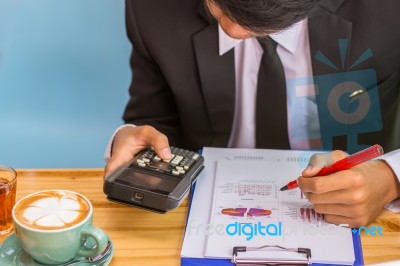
[
  {"x": 142, "y": 164},
  {"x": 178, "y": 158},
  {"x": 175, "y": 172},
  {"x": 167, "y": 161}
]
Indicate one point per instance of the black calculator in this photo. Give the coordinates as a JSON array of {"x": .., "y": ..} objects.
[{"x": 154, "y": 184}]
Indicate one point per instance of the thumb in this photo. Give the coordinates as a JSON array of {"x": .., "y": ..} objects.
[
  {"x": 321, "y": 160},
  {"x": 310, "y": 171},
  {"x": 161, "y": 146},
  {"x": 316, "y": 163},
  {"x": 164, "y": 151}
]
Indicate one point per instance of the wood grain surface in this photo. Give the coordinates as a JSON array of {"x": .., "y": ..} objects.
[{"x": 145, "y": 238}]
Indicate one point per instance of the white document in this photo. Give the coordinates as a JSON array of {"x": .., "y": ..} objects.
[
  {"x": 248, "y": 204},
  {"x": 199, "y": 228}
]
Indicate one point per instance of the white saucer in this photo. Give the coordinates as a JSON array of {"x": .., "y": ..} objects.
[{"x": 11, "y": 254}]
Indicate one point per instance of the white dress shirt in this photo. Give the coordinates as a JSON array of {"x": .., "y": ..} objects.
[{"x": 294, "y": 51}]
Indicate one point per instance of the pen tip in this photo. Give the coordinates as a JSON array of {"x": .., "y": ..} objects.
[{"x": 284, "y": 188}]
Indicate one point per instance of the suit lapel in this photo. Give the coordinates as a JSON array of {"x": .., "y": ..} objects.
[
  {"x": 325, "y": 29},
  {"x": 217, "y": 77}
]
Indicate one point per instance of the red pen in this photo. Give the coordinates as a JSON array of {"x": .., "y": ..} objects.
[{"x": 346, "y": 163}]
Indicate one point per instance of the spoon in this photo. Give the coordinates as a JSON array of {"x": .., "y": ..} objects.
[{"x": 105, "y": 252}]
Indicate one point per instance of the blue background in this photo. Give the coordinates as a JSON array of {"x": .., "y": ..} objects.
[{"x": 64, "y": 77}]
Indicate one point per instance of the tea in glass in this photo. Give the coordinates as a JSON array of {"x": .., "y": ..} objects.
[{"x": 8, "y": 189}]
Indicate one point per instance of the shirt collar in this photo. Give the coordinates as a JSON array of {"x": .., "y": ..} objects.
[{"x": 288, "y": 38}]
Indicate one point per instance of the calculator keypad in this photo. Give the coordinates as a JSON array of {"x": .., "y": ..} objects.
[{"x": 177, "y": 166}]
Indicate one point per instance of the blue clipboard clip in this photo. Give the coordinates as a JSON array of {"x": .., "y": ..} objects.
[{"x": 241, "y": 256}]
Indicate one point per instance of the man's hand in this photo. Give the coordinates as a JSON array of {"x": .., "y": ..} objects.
[
  {"x": 130, "y": 140},
  {"x": 355, "y": 196}
]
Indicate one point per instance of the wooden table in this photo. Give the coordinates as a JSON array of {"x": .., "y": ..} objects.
[{"x": 145, "y": 238}]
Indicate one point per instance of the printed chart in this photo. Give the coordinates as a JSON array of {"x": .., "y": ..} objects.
[
  {"x": 242, "y": 212},
  {"x": 264, "y": 188}
]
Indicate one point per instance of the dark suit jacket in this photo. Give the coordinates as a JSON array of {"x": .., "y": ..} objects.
[{"x": 186, "y": 90}]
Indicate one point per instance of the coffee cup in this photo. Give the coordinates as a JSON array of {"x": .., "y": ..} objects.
[{"x": 53, "y": 226}]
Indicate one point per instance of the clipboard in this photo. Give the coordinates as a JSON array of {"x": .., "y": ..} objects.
[
  {"x": 185, "y": 261},
  {"x": 192, "y": 255}
]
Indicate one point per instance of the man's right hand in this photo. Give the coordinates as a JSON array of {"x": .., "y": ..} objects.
[{"x": 131, "y": 140}]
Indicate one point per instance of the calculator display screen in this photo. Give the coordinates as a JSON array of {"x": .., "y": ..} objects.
[{"x": 148, "y": 182}]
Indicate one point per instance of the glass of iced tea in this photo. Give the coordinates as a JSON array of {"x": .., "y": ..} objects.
[{"x": 8, "y": 189}]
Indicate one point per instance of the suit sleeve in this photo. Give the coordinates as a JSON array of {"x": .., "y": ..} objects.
[{"x": 151, "y": 99}]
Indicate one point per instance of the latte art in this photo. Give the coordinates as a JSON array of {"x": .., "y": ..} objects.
[{"x": 51, "y": 210}]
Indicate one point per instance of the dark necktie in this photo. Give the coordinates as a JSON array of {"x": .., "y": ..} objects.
[{"x": 271, "y": 112}]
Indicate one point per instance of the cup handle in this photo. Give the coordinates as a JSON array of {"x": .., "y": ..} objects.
[{"x": 98, "y": 236}]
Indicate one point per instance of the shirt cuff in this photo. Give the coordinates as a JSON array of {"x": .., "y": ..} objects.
[
  {"x": 393, "y": 160},
  {"x": 107, "y": 153}
]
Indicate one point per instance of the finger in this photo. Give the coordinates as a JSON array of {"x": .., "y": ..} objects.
[
  {"x": 149, "y": 136},
  {"x": 321, "y": 160},
  {"x": 337, "y": 209},
  {"x": 316, "y": 163},
  {"x": 339, "y": 220},
  {"x": 109, "y": 168},
  {"x": 323, "y": 184},
  {"x": 118, "y": 159},
  {"x": 345, "y": 221},
  {"x": 343, "y": 196},
  {"x": 160, "y": 144},
  {"x": 342, "y": 214}
]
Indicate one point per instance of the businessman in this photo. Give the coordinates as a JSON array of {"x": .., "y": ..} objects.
[{"x": 216, "y": 73}]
